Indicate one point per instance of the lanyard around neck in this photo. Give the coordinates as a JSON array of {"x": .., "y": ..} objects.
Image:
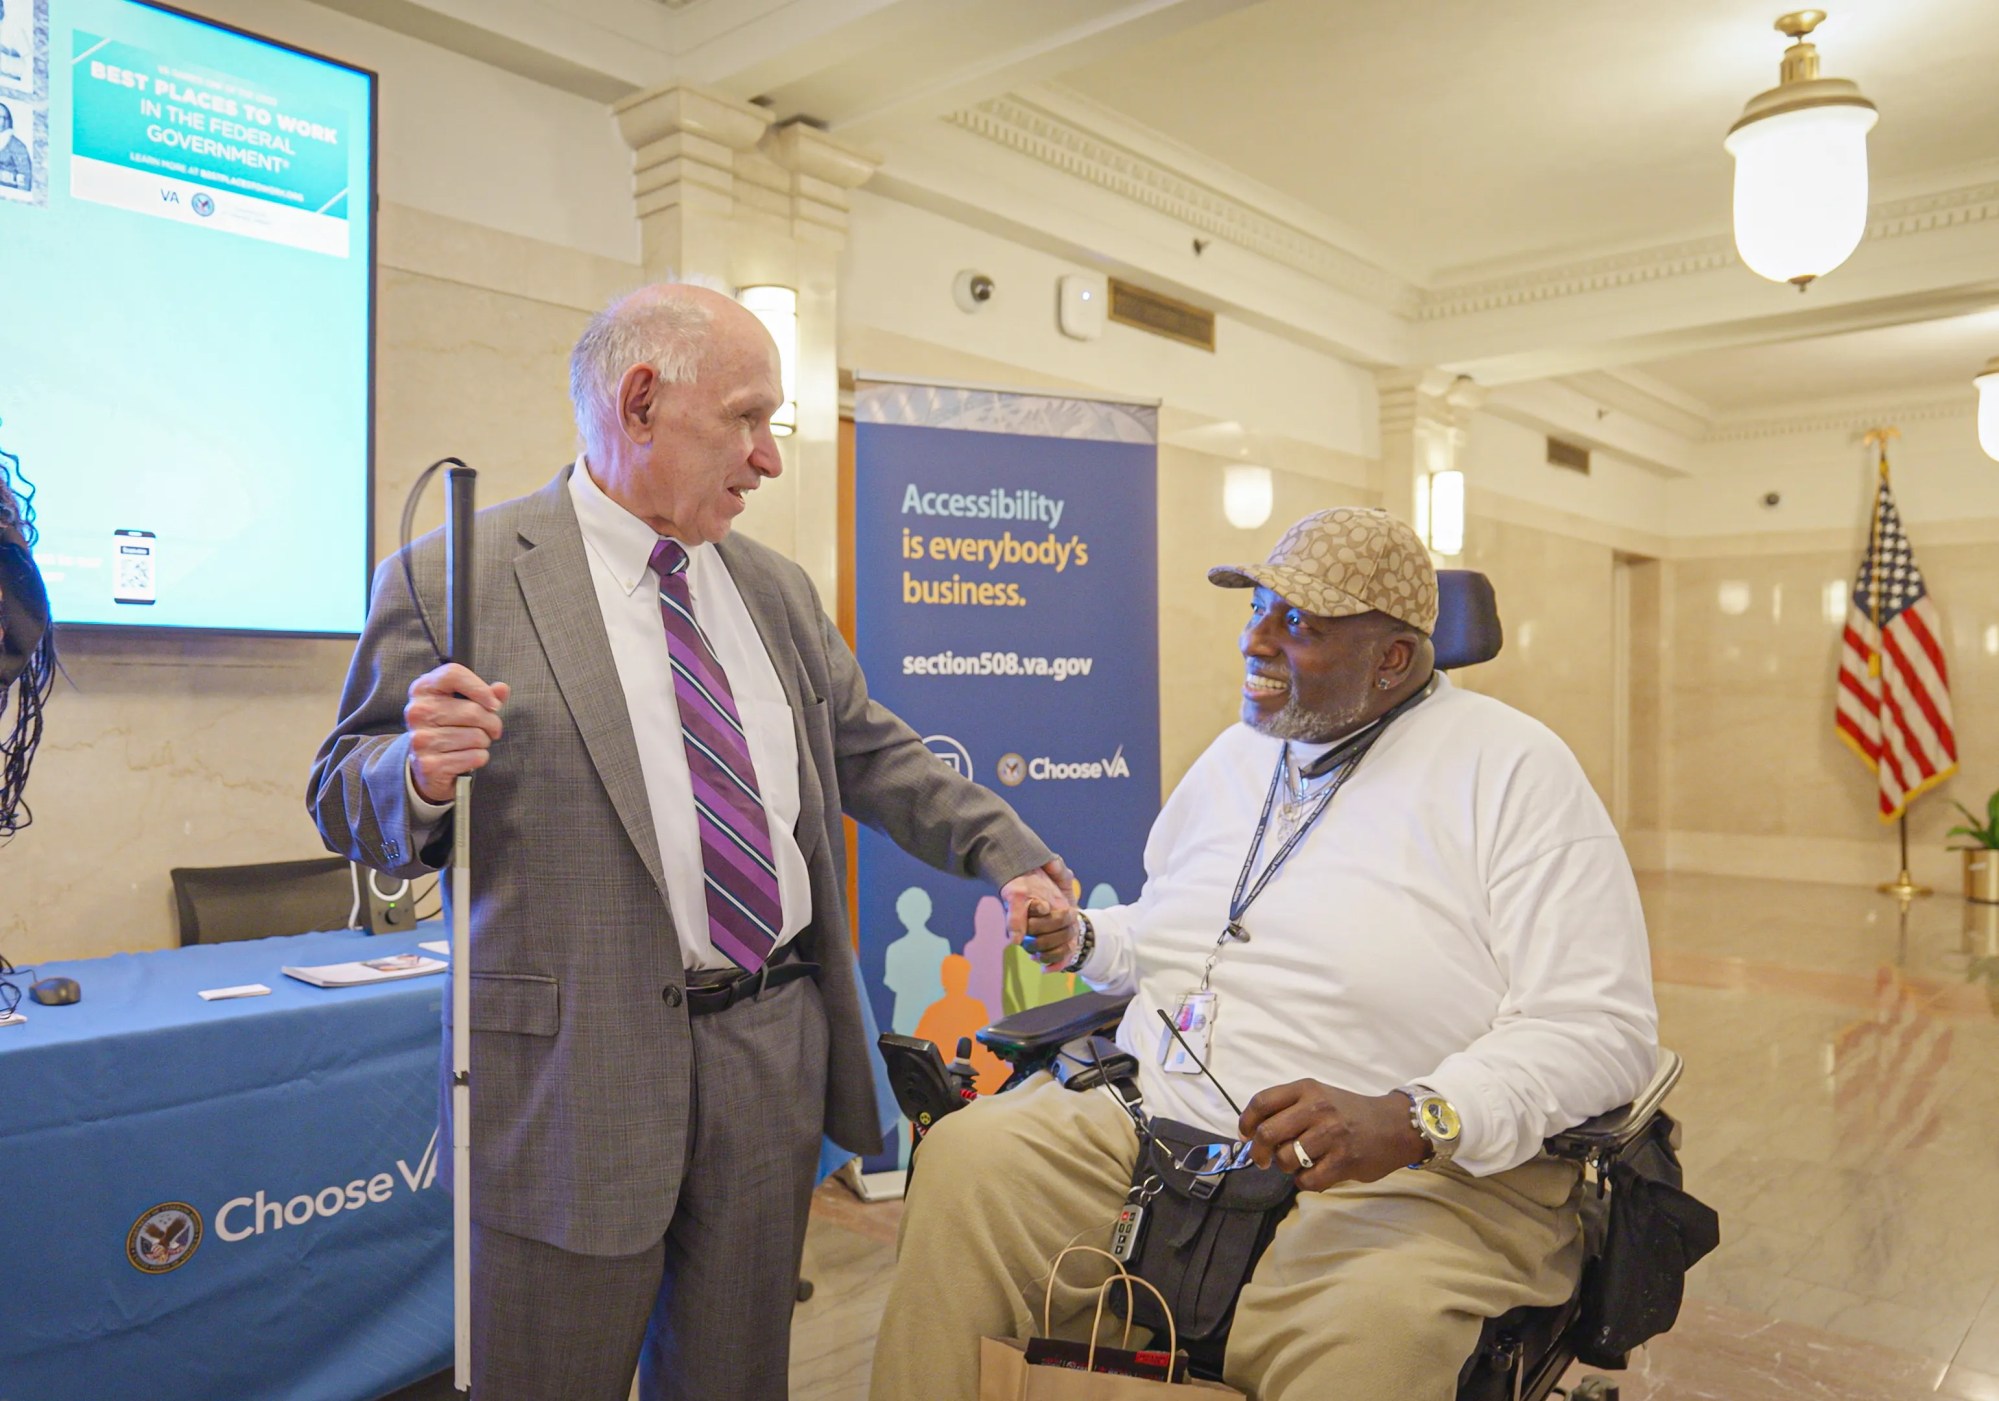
[{"x": 1345, "y": 757}]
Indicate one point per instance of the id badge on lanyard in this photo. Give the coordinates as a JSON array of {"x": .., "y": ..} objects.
[{"x": 1194, "y": 1015}]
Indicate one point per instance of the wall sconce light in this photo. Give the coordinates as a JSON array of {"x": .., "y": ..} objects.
[
  {"x": 1443, "y": 524},
  {"x": 1987, "y": 381},
  {"x": 777, "y": 308},
  {"x": 1801, "y": 166},
  {"x": 1247, "y": 495}
]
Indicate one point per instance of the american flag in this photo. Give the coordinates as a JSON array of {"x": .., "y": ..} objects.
[{"x": 1894, "y": 689}]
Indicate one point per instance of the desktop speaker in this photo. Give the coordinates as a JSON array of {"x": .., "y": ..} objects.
[{"x": 391, "y": 905}]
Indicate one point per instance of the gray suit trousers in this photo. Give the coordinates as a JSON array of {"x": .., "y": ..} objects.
[{"x": 705, "y": 1314}]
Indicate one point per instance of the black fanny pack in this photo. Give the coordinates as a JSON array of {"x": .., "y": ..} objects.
[{"x": 1201, "y": 1236}]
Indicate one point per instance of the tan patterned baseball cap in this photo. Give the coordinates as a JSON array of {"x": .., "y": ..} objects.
[{"x": 1343, "y": 561}]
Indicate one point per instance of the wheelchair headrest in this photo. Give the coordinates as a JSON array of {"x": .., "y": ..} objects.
[{"x": 1468, "y": 630}]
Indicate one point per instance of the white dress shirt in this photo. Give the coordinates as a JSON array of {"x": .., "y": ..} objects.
[
  {"x": 619, "y": 546},
  {"x": 1462, "y": 918}
]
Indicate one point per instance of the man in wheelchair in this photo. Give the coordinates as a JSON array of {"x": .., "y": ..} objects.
[{"x": 1394, "y": 915}]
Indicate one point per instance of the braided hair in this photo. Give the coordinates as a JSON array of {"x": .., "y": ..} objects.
[{"x": 27, "y": 643}]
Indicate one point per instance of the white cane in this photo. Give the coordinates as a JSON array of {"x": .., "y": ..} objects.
[{"x": 458, "y": 648}]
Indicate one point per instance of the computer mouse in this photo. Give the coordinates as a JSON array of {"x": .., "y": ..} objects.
[{"x": 56, "y": 992}]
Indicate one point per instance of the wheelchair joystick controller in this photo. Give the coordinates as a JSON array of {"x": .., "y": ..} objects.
[
  {"x": 925, "y": 1088},
  {"x": 959, "y": 1072}
]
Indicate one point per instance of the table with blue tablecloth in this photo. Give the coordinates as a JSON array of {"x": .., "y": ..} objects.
[
  {"x": 234, "y": 1200},
  {"x": 224, "y": 1200}
]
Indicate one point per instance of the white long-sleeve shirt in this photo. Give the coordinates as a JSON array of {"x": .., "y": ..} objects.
[
  {"x": 619, "y": 546},
  {"x": 1462, "y": 917}
]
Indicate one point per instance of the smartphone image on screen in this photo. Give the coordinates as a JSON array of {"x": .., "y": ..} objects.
[{"x": 133, "y": 554}]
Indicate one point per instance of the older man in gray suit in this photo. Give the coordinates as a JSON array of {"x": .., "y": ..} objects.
[{"x": 664, "y": 1007}]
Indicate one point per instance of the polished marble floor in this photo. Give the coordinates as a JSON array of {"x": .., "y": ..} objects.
[{"x": 1841, "y": 1112}]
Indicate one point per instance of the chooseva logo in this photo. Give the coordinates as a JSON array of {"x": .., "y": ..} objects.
[
  {"x": 165, "y": 1236},
  {"x": 1014, "y": 770},
  {"x": 243, "y": 1217}
]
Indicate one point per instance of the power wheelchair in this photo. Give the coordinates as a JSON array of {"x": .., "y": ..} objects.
[{"x": 1521, "y": 1355}]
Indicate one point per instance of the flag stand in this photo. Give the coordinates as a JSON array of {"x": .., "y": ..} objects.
[{"x": 1904, "y": 887}]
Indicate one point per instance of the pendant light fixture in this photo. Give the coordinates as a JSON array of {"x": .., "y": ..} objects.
[{"x": 1801, "y": 166}]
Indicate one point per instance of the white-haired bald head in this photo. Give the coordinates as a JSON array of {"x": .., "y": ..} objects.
[
  {"x": 674, "y": 388},
  {"x": 665, "y": 326}
]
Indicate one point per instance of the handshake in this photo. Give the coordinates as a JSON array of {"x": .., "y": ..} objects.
[{"x": 1041, "y": 913}]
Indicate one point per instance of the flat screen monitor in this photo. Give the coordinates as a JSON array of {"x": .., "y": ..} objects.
[{"x": 186, "y": 317}]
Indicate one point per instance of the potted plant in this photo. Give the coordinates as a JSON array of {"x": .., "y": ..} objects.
[{"x": 1981, "y": 857}]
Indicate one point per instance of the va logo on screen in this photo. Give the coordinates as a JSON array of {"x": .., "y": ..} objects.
[
  {"x": 951, "y": 752},
  {"x": 202, "y": 204},
  {"x": 1012, "y": 770},
  {"x": 164, "y": 1238}
]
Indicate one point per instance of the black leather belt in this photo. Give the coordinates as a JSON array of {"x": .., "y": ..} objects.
[{"x": 717, "y": 990}]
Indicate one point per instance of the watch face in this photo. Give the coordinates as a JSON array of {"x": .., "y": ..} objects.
[{"x": 1439, "y": 1119}]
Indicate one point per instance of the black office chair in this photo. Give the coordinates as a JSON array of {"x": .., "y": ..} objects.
[{"x": 220, "y": 903}]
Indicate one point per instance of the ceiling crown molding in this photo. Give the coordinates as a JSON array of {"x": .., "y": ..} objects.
[
  {"x": 1601, "y": 274},
  {"x": 1041, "y": 135},
  {"x": 1898, "y": 218},
  {"x": 1855, "y": 419}
]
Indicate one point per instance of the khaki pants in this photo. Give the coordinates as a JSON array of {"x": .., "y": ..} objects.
[{"x": 1375, "y": 1292}]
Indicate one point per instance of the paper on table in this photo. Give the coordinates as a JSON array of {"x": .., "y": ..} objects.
[
  {"x": 440, "y": 947},
  {"x": 12, "y": 1019},
  {"x": 374, "y": 970},
  {"x": 243, "y": 990}
]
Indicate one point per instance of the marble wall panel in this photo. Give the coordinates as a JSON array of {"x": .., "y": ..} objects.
[
  {"x": 1753, "y": 645},
  {"x": 1556, "y": 600},
  {"x": 1645, "y": 645}
]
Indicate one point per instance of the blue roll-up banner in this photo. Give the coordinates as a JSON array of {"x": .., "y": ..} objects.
[{"x": 1007, "y": 606}]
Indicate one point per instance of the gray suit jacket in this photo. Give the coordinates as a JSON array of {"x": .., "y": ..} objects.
[{"x": 580, "y": 1084}]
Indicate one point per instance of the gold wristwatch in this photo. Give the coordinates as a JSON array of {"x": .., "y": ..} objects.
[{"x": 1433, "y": 1116}]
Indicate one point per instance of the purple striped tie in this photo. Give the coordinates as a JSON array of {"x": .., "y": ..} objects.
[{"x": 744, "y": 911}]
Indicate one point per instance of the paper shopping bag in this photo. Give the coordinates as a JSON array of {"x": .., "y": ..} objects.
[
  {"x": 1067, "y": 1371},
  {"x": 1006, "y": 1375}
]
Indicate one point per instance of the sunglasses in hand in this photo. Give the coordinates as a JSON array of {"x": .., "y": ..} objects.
[{"x": 1204, "y": 1159}]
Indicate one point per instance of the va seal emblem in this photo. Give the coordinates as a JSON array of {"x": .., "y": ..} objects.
[{"x": 163, "y": 1238}]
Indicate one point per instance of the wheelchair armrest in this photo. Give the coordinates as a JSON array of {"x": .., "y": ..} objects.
[
  {"x": 1610, "y": 1133},
  {"x": 1041, "y": 1031}
]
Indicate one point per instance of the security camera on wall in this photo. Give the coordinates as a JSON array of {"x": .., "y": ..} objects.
[
  {"x": 971, "y": 290},
  {"x": 1081, "y": 304}
]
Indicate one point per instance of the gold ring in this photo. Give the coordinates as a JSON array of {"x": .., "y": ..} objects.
[{"x": 1304, "y": 1158}]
